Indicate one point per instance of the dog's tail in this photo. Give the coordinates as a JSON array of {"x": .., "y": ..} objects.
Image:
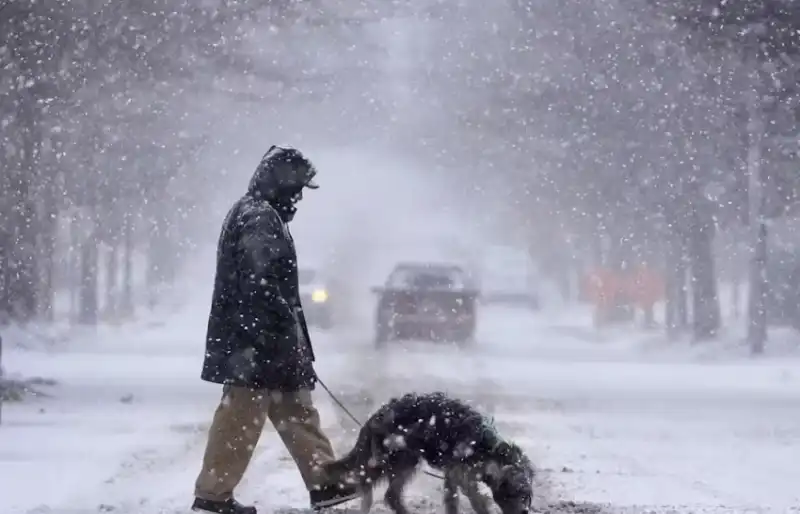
[{"x": 357, "y": 460}]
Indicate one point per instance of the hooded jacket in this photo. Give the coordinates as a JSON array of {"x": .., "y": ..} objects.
[{"x": 257, "y": 334}]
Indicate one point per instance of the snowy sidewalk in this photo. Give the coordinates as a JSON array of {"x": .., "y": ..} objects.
[
  {"x": 569, "y": 333},
  {"x": 112, "y": 408},
  {"x": 125, "y": 427}
]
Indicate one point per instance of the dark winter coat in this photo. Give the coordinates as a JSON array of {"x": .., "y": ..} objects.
[{"x": 257, "y": 334}]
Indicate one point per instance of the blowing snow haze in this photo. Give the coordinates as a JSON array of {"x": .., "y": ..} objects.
[
  {"x": 355, "y": 91},
  {"x": 360, "y": 108},
  {"x": 618, "y": 181}
]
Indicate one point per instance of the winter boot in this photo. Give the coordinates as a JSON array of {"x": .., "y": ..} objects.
[
  {"x": 331, "y": 495},
  {"x": 229, "y": 506}
]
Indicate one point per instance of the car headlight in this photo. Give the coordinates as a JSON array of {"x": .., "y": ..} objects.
[{"x": 319, "y": 296}]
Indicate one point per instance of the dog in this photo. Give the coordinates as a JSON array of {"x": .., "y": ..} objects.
[{"x": 450, "y": 436}]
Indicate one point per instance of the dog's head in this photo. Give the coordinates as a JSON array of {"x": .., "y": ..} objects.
[{"x": 509, "y": 474}]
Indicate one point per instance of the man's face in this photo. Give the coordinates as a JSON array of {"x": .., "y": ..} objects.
[
  {"x": 288, "y": 204},
  {"x": 296, "y": 196}
]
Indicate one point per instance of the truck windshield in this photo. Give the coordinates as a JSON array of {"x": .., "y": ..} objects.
[{"x": 426, "y": 279}]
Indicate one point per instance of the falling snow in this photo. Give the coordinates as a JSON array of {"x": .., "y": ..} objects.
[{"x": 617, "y": 182}]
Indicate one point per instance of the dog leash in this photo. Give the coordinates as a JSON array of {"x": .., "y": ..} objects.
[{"x": 359, "y": 423}]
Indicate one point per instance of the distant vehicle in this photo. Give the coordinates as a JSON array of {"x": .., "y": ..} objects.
[
  {"x": 508, "y": 276},
  {"x": 435, "y": 302},
  {"x": 315, "y": 294}
]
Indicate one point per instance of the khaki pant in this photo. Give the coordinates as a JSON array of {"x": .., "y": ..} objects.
[{"x": 237, "y": 427}]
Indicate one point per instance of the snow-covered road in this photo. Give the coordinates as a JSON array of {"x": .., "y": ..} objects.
[{"x": 635, "y": 431}]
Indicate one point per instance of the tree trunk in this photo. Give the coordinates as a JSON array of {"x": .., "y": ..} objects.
[
  {"x": 5, "y": 277},
  {"x": 47, "y": 262},
  {"x": 705, "y": 300},
  {"x": 24, "y": 278},
  {"x": 757, "y": 307},
  {"x": 25, "y": 224},
  {"x": 5, "y": 240},
  {"x": 112, "y": 281},
  {"x": 676, "y": 309},
  {"x": 87, "y": 314},
  {"x": 161, "y": 253},
  {"x": 156, "y": 261},
  {"x": 682, "y": 299},
  {"x": 126, "y": 306},
  {"x": 671, "y": 289},
  {"x": 74, "y": 268},
  {"x": 759, "y": 287}
]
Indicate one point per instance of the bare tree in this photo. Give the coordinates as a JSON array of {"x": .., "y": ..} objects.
[
  {"x": 75, "y": 81},
  {"x": 761, "y": 37}
]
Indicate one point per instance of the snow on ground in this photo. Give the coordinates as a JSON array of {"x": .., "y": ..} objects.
[{"x": 608, "y": 423}]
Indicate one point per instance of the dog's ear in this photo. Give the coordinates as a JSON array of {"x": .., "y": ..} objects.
[
  {"x": 503, "y": 448},
  {"x": 508, "y": 453}
]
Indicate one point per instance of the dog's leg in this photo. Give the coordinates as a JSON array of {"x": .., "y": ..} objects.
[
  {"x": 394, "y": 494},
  {"x": 367, "y": 499},
  {"x": 450, "y": 493},
  {"x": 479, "y": 502}
]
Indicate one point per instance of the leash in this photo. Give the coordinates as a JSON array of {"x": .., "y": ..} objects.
[{"x": 359, "y": 423}]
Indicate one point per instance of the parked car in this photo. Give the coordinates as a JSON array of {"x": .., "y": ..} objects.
[
  {"x": 435, "y": 302},
  {"x": 315, "y": 294}
]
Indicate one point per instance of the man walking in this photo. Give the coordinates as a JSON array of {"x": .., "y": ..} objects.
[{"x": 258, "y": 345}]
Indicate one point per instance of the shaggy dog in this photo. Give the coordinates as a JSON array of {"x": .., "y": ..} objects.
[{"x": 450, "y": 436}]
